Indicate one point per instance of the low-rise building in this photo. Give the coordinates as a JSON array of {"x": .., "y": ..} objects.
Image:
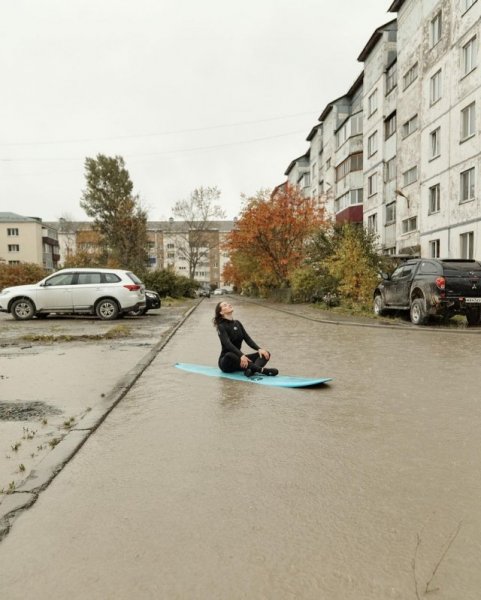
[{"x": 28, "y": 240}]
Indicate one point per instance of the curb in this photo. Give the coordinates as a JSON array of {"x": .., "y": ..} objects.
[
  {"x": 39, "y": 479},
  {"x": 408, "y": 327}
]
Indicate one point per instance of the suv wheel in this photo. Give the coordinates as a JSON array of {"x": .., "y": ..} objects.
[
  {"x": 23, "y": 309},
  {"x": 379, "y": 305},
  {"x": 418, "y": 312},
  {"x": 107, "y": 309}
]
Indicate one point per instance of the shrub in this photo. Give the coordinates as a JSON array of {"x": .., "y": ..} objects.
[
  {"x": 167, "y": 283},
  {"x": 22, "y": 274}
]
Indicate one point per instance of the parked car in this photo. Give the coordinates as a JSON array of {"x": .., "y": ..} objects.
[
  {"x": 218, "y": 292},
  {"x": 152, "y": 301},
  {"x": 444, "y": 287},
  {"x": 203, "y": 293},
  {"x": 106, "y": 293}
]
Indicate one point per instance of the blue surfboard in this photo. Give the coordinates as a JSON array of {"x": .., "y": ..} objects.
[{"x": 277, "y": 381}]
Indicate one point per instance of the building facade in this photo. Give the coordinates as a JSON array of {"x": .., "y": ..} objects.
[
  {"x": 401, "y": 151},
  {"x": 196, "y": 251},
  {"x": 28, "y": 240}
]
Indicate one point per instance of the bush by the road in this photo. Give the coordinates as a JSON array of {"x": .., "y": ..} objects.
[
  {"x": 167, "y": 283},
  {"x": 21, "y": 274}
]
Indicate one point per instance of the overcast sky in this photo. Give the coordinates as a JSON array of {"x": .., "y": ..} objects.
[{"x": 189, "y": 92}]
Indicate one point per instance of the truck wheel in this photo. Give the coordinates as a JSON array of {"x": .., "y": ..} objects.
[
  {"x": 418, "y": 312},
  {"x": 473, "y": 316},
  {"x": 379, "y": 305}
]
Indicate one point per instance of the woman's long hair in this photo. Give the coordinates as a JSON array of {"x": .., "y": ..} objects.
[{"x": 217, "y": 316}]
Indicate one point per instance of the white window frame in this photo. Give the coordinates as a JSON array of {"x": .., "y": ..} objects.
[
  {"x": 391, "y": 212},
  {"x": 372, "y": 223},
  {"x": 390, "y": 170},
  {"x": 434, "y": 248},
  {"x": 410, "y": 176},
  {"x": 434, "y": 205},
  {"x": 436, "y": 28},
  {"x": 467, "y": 191},
  {"x": 372, "y": 184},
  {"x": 410, "y": 224},
  {"x": 391, "y": 77},
  {"x": 435, "y": 143},
  {"x": 410, "y": 76},
  {"x": 466, "y": 244},
  {"x": 469, "y": 55},
  {"x": 13, "y": 247},
  {"x": 372, "y": 103},
  {"x": 435, "y": 87},
  {"x": 390, "y": 124},
  {"x": 372, "y": 144},
  {"x": 468, "y": 121},
  {"x": 410, "y": 126}
]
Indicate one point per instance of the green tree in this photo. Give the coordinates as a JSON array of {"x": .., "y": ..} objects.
[
  {"x": 198, "y": 239},
  {"x": 118, "y": 216}
]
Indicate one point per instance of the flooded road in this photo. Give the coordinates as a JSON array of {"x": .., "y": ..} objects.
[{"x": 204, "y": 488}]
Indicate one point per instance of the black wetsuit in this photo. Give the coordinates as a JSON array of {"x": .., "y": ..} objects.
[{"x": 231, "y": 335}]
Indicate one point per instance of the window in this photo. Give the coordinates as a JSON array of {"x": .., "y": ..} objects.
[
  {"x": 468, "y": 121},
  {"x": 410, "y": 176},
  {"x": 13, "y": 248},
  {"x": 170, "y": 246},
  {"x": 314, "y": 171},
  {"x": 470, "y": 51},
  {"x": 391, "y": 78},
  {"x": 305, "y": 180},
  {"x": 372, "y": 223},
  {"x": 372, "y": 103},
  {"x": 12, "y": 231},
  {"x": 170, "y": 254},
  {"x": 410, "y": 126},
  {"x": 372, "y": 185},
  {"x": 434, "y": 246},
  {"x": 86, "y": 278},
  {"x": 410, "y": 76},
  {"x": 61, "y": 279},
  {"x": 436, "y": 28},
  {"x": 390, "y": 170},
  {"x": 434, "y": 199},
  {"x": 13, "y": 262},
  {"x": 435, "y": 143},
  {"x": 372, "y": 144},
  {"x": 352, "y": 163},
  {"x": 390, "y": 126},
  {"x": 435, "y": 87},
  {"x": 409, "y": 225},
  {"x": 467, "y": 4},
  {"x": 348, "y": 199},
  {"x": 328, "y": 163},
  {"x": 467, "y": 185},
  {"x": 390, "y": 213},
  {"x": 466, "y": 242}
]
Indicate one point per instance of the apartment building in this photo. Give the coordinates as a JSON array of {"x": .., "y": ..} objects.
[
  {"x": 401, "y": 151},
  {"x": 440, "y": 164},
  {"x": 28, "y": 240},
  {"x": 171, "y": 244},
  {"x": 381, "y": 202}
]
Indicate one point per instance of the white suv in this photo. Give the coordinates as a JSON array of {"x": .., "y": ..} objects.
[{"x": 106, "y": 293}]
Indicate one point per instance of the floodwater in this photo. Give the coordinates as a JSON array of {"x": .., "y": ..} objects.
[{"x": 203, "y": 488}]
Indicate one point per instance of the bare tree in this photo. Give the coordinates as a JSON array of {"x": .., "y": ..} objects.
[{"x": 198, "y": 212}]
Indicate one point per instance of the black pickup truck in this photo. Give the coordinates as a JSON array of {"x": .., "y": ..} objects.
[{"x": 432, "y": 286}]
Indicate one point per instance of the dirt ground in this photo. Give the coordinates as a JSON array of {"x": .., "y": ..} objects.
[{"x": 56, "y": 371}]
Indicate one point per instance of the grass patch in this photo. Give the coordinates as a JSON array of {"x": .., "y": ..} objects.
[{"x": 116, "y": 332}]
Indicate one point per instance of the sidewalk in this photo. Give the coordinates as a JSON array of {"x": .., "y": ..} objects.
[{"x": 59, "y": 384}]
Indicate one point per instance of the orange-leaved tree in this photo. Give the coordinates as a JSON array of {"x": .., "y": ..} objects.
[{"x": 269, "y": 239}]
